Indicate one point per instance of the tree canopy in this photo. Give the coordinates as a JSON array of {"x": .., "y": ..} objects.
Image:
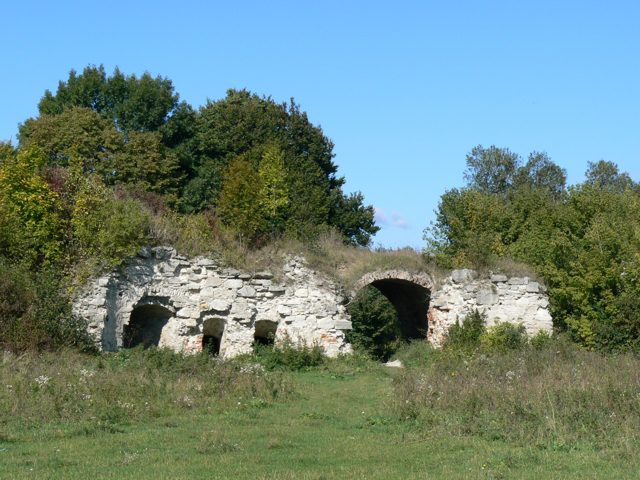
[
  {"x": 135, "y": 132},
  {"x": 582, "y": 239}
]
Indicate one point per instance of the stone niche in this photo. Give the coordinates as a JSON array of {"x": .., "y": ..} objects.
[{"x": 160, "y": 298}]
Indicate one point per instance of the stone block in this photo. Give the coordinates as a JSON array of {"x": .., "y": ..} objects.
[
  {"x": 220, "y": 305},
  {"x": 283, "y": 310},
  {"x": 302, "y": 293},
  {"x": 206, "y": 292},
  {"x": 213, "y": 282},
  {"x": 247, "y": 291},
  {"x": 487, "y": 297},
  {"x": 184, "y": 313},
  {"x": 206, "y": 262},
  {"x": 263, "y": 275},
  {"x": 276, "y": 289},
  {"x": 515, "y": 281},
  {"x": 463, "y": 276},
  {"x": 233, "y": 284},
  {"x": 343, "y": 325},
  {"x": 98, "y": 301},
  {"x": 532, "y": 287},
  {"x": 499, "y": 278}
]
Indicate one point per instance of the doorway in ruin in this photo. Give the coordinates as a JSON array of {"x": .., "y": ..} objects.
[
  {"x": 265, "y": 332},
  {"x": 386, "y": 313},
  {"x": 145, "y": 326},
  {"x": 212, "y": 331}
]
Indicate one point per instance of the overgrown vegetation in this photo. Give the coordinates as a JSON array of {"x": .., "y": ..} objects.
[
  {"x": 581, "y": 239},
  {"x": 550, "y": 393},
  {"x": 112, "y": 390}
]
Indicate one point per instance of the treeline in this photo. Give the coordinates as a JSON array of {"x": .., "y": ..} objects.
[
  {"x": 112, "y": 163},
  {"x": 262, "y": 167},
  {"x": 583, "y": 239}
]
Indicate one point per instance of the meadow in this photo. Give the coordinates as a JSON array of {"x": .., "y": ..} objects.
[{"x": 549, "y": 410}]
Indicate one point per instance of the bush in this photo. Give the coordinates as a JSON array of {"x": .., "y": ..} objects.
[
  {"x": 375, "y": 324},
  {"x": 466, "y": 338},
  {"x": 285, "y": 355},
  {"x": 503, "y": 337},
  {"x": 35, "y": 314}
]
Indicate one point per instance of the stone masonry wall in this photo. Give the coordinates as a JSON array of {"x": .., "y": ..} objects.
[
  {"x": 200, "y": 293},
  {"x": 198, "y": 298},
  {"x": 515, "y": 299}
]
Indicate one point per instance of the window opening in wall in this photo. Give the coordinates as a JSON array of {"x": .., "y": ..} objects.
[
  {"x": 212, "y": 330},
  {"x": 145, "y": 326},
  {"x": 265, "y": 332}
]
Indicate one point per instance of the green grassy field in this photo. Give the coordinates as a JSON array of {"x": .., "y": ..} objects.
[{"x": 337, "y": 424}]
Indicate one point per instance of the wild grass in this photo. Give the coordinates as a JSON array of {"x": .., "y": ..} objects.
[
  {"x": 107, "y": 391},
  {"x": 549, "y": 396}
]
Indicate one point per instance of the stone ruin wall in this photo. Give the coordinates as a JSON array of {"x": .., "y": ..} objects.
[
  {"x": 502, "y": 299},
  {"x": 198, "y": 299},
  {"x": 204, "y": 299}
]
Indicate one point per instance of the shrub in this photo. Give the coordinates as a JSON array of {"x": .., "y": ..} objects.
[
  {"x": 375, "y": 324},
  {"x": 466, "y": 338},
  {"x": 504, "y": 336},
  {"x": 35, "y": 314},
  {"x": 286, "y": 355}
]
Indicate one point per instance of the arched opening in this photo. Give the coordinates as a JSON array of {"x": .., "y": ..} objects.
[
  {"x": 411, "y": 302},
  {"x": 386, "y": 313},
  {"x": 212, "y": 330},
  {"x": 265, "y": 332},
  {"x": 145, "y": 326}
]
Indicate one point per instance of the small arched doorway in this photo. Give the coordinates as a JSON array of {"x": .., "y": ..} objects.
[
  {"x": 265, "y": 332},
  {"x": 145, "y": 326},
  {"x": 212, "y": 331}
]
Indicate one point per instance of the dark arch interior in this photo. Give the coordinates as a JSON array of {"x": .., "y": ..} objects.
[
  {"x": 411, "y": 302},
  {"x": 265, "y": 332},
  {"x": 212, "y": 330},
  {"x": 145, "y": 326}
]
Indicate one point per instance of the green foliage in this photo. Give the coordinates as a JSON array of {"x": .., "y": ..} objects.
[
  {"x": 287, "y": 355},
  {"x": 114, "y": 231},
  {"x": 28, "y": 205},
  {"x": 504, "y": 337},
  {"x": 375, "y": 324},
  {"x": 582, "y": 239},
  {"x": 35, "y": 314},
  {"x": 240, "y": 200},
  {"x": 417, "y": 353},
  {"x": 466, "y": 337}
]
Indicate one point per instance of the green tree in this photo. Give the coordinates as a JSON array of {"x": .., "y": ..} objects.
[
  {"x": 274, "y": 195},
  {"x": 491, "y": 170},
  {"x": 131, "y": 103},
  {"x": 239, "y": 204},
  {"x": 375, "y": 324},
  {"x": 607, "y": 175},
  {"x": 138, "y": 159}
]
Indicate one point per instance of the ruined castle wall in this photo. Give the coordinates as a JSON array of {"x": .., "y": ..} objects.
[
  {"x": 183, "y": 301},
  {"x": 199, "y": 295},
  {"x": 501, "y": 298}
]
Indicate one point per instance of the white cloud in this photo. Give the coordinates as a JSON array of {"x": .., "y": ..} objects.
[
  {"x": 380, "y": 216},
  {"x": 396, "y": 219}
]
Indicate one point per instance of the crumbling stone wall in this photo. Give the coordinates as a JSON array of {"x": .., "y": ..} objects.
[
  {"x": 161, "y": 298},
  {"x": 502, "y": 299},
  {"x": 200, "y": 298}
]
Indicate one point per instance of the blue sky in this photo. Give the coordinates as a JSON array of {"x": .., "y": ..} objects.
[{"x": 404, "y": 89}]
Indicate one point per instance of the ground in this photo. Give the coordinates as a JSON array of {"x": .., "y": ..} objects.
[{"x": 335, "y": 428}]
